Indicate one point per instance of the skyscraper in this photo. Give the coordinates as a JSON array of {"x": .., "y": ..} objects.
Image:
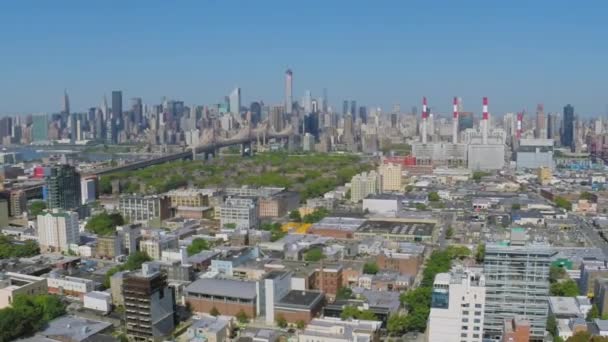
[
  {"x": 256, "y": 112},
  {"x": 344, "y": 107},
  {"x": 117, "y": 107},
  {"x": 40, "y": 127},
  {"x": 568, "y": 127},
  {"x": 138, "y": 111},
  {"x": 66, "y": 102},
  {"x": 550, "y": 123},
  {"x": 307, "y": 102},
  {"x": 235, "y": 101},
  {"x": 63, "y": 187},
  {"x": 288, "y": 91},
  {"x": 353, "y": 109},
  {"x": 540, "y": 132}
]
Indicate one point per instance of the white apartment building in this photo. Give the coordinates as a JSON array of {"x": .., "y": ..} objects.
[
  {"x": 457, "y": 306},
  {"x": 57, "y": 230},
  {"x": 69, "y": 286},
  {"x": 239, "y": 213},
  {"x": 365, "y": 184},
  {"x": 391, "y": 176}
]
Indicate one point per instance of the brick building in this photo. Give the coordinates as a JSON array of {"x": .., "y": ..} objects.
[
  {"x": 227, "y": 296},
  {"x": 299, "y": 305},
  {"x": 399, "y": 262},
  {"x": 279, "y": 205},
  {"x": 327, "y": 279}
]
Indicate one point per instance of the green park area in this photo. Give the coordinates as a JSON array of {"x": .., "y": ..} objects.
[{"x": 309, "y": 174}]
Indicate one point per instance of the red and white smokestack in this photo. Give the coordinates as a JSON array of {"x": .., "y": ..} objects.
[
  {"x": 455, "y": 122},
  {"x": 484, "y": 122},
  {"x": 424, "y": 119},
  {"x": 520, "y": 119}
]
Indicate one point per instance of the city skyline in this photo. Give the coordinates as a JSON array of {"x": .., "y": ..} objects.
[{"x": 376, "y": 56}]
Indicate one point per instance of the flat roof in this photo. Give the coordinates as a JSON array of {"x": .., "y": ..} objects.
[
  {"x": 300, "y": 298},
  {"x": 339, "y": 223},
  {"x": 223, "y": 288},
  {"x": 397, "y": 228}
]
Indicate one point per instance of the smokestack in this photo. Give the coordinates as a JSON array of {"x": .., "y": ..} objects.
[
  {"x": 484, "y": 122},
  {"x": 455, "y": 122},
  {"x": 424, "y": 119}
]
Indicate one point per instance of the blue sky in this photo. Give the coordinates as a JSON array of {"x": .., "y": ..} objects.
[{"x": 518, "y": 53}]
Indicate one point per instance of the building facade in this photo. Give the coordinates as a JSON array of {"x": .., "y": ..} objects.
[
  {"x": 137, "y": 208},
  {"x": 63, "y": 187},
  {"x": 58, "y": 230},
  {"x": 365, "y": 184}
]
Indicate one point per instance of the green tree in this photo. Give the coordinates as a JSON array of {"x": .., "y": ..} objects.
[
  {"x": 28, "y": 314},
  {"x": 104, "y": 224},
  {"x": 294, "y": 215},
  {"x": 367, "y": 315},
  {"x": 134, "y": 262},
  {"x": 17, "y": 249},
  {"x": 566, "y": 288},
  {"x": 396, "y": 323},
  {"x": 552, "y": 325},
  {"x": 586, "y": 195},
  {"x": 434, "y": 197},
  {"x": 36, "y": 208},
  {"x": 593, "y": 313},
  {"x": 449, "y": 233},
  {"x": 458, "y": 252},
  {"x": 314, "y": 254},
  {"x": 242, "y": 317},
  {"x": 370, "y": 268},
  {"x": 420, "y": 206},
  {"x": 515, "y": 206},
  {"x": 344, "y": 293},
  {"x": 198, "y": 245},
  {"x": 480, "y": 253},
  {"x": 316, "y": 216},
  {"x": 300, "y": 324},
  {"x": 478, "y": 175},
  {"x": 214, "y": 312},
  {"x": 563, "y": 203},
  {"x": 556, "y": 273},
  {"x": 281, "y": 322}
]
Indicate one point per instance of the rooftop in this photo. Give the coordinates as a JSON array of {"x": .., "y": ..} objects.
[
  {"x": 300, "y": 298},
  {"x": 339, "y": 223},
  {"x": 397, "y": 228},
  {"x": 223, "y": 288},
  {"x": 74, "y": 329}
]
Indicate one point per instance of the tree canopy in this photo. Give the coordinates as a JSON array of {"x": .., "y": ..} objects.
[
  {"x": 17, "y": 249},
  {"x": 566, "y": 288},
  {"x": 563, "y": 203},
  {"x": 294, "y": 215},
  {"x": 314, "y": 254},
  {"x": 28, "y": 314},
  {"x": 316, "y": 216},
  {"x": 370, "y": 268},
  {"x": 434, "y": 196},
  {"x": 350, "y": 311},
  {"x": 104, "y": 224},
  {"x": 36, "y": 208},
  {"x": 134, "y": 262},
  {"x": 198, "y": 245},
  {"x": 344, "y": 293}
]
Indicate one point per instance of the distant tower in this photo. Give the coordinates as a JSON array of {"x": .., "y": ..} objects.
[
  {"x": 540, "y": 131},
  {"x": 288, "y": 91},
  {"x": 568, "y": 127},
  {"x": 484, "y": 122},
  {"x": 424, "y": 119},
  {"x": 235, "y": 101},
  {"x": 455, "y": 122},
  {"x": 520, "y": 121},
  {"x": 66, "y": 102}
]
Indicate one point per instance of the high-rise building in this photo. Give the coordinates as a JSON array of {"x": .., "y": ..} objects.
[
  {"x": 353, "y": 108},
  {"x": 276, "y": 118},
  {"x": 256, "y": 112},
  {"x": 568, "y": 127},
  {"x": 235, "y": 101},
  {"x": 344, "y": 107},
  {"x": 117, "y": 107},
  {"x": 550, "y": 123},
  {"x": 137, "y": 208},
  {"x": 517, "y": 285},
  {"x": 57, "y": 230},
  {"x": 391, "y": 176},
  {"x": 138, "y": 111},
  {"x": 88, "y": 188},
  {"x": 363, "y": 114},
  {"x": 365, "y": 184},
  {"x": 63, "y": 187},
  {"x": 149, "y": 304},
  {"x": 307, "y": 102},
  {"x": 540, "y": 132},
  {"x": 457, "y": 304},
  {"x": 40, "y": 127},
  {"x": 288, "y": 91}
]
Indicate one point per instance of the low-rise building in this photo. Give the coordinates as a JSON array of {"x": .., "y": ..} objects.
[
  {"x": 336, "y": 330},
  {"x": 226, "y": 296},
  {"x": 208, "y": 328},
  {"x": 98, "y": 301},
  {"x": 12, "y": 284},
  {"x": 337, "y": 227},
  {"x": 69, "y": 286},
  {"x": 138, "y": 208},
  {"x": 280, "y": 204},
  {"x": 299, "y": 306},
  {"x": 239, "y": 213}
]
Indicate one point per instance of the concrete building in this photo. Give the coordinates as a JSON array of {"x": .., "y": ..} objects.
[
  {"x": 108, "y": 247},
  {"x": 365, "y": 184},
  {"x": 391, "y": 176},
  {"x": 385, "y": 204},
  {"x": 517, "y": 285},
  {"x": 98, "y": 301},
  {"x": 516, "y": 330},
  {"x": 69, "y": 286},
  {"x": 276, "y": 286},
  {"x": 149, "y": 305},
  {"x": 544, "y": 175},
  {"x": 440, "y": 154},
  {"x": 337, "y": 227},
  {"x": 457, "y": 304},
  {"x": 13, "y": 284},
  {"x": 239, "y": 213},
  {"x": 189, "y": 197},
  {"x": 116, "y": 282},
  {"x": 227, "y": 296},
  {"x": 208, "y": 328},
  {"x": 534, "y": 154},
  {"x": 58, "y": 230},
  {"x": 88, "y": 189},
  {"x": 331, "y": 329},
  {"x": 154, "y": 245},
  {"x": 138, "y": 208}
]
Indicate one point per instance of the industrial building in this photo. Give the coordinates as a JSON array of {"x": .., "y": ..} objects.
[{"x": 534, "y": 154}]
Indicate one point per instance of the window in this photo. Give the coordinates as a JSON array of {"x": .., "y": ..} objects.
[
  {"x": 465, "y": 327},
  {"x": 463, "y": 335},
  {"x": 477, "y": 320},
  {"x": 478, "y": 306},
  {"x": 465, "y": 320},
  {"x": 465, "y": 305},
  {"x": 477, "y": 313},
  {"x": 475, "y": 335},
  {"x": 465, "y": 312},
  {"x": 476, "y": 328}
]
